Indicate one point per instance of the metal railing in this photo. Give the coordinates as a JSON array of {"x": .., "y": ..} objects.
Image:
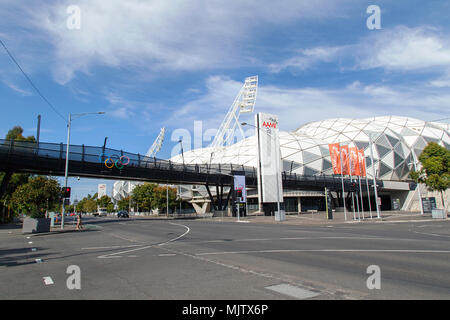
[{"x": 44, "y": 151}]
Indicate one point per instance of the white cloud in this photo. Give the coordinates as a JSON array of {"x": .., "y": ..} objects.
[
  {"x": 296, "y": 106},
  {"x": 405, "y": 49},
  {"x": 159, "y": 35},
  {"x": 440, "y": 83},
  {"x": 17, "y": 89},
  {"x": 307, "y": 58},
  {"x": 397, "y": 49}
]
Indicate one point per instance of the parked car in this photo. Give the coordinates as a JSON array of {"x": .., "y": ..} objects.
[
  {"x": 122, "y": 214},
  {"x": 101, "y": 212}
]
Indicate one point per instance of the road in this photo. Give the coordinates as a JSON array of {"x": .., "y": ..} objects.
[{"x": 196, "y": 259}]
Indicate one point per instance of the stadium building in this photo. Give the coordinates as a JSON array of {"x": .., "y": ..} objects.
[
  {"x": 391, "y": 146},
  {"x": 397, "y": 143}
]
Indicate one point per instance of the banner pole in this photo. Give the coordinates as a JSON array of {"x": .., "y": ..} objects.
[
  {"x": 368, "y": 196},
  {"x": 342, "y": 180},
  {"x": 360, "y": 191}
]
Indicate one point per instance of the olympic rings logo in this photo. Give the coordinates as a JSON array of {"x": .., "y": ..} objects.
[{"x": 114, "y": 160}]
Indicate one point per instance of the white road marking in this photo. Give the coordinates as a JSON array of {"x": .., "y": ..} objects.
[
  {"x": 147, "y": 247},
  {"x": 48, "y": 281},
  {"x": 166, "y": 255},
  {"x": 123, "y": 238},
  {"x": 30, "y": 242},
  {"x": 38, "y": 260},
  {"x": 179, "y": 237},
  {"x": 112, "y": 247},
  {"x": 306, "y": 238},
  {"x": 33, "y": 249},
  {"x": 322, "y": 250},
  {"x": 293, "y": 291},
  {"x": 243, "y": 270},
  {"x": 431, "y": 234}
]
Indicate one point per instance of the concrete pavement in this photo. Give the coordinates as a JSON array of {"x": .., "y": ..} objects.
[{"x": 144, "y": 258}]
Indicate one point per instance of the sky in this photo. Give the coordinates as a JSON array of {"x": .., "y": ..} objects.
[{"x": 175, "y": 64}]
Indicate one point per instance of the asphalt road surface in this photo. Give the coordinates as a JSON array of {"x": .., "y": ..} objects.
[{"x": 195, "y": 259}]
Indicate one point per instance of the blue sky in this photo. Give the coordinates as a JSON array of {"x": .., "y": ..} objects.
[{"x": 150, "y": 64}]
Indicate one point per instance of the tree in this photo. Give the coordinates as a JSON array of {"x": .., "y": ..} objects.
[
  {"x": 435, "y": 171},
  {"x": 89, "y": 205},
  {"x": 124, "y": 204},
  {"x": 37, "y": 196},
  {"x": 16, "y": 133},
  {"x": 160, "y": 197},
  {"x": 104, "y": 201},
  {"x": 143, "y": 196},
  {"x": 110, "y": 207},
  {"x": 17, "y": 179}
]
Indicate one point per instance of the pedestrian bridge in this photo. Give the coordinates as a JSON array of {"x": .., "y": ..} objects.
[{"x": 105, "y": 163}]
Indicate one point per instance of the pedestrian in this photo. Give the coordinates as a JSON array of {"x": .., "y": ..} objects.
[{"x": 79, "y": 224}]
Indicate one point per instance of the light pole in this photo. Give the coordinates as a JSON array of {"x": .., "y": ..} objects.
[
  {"x": 67, "y": 156},
  {"x": 182, "y": 154},
  {"x": 277, "y": 170}
]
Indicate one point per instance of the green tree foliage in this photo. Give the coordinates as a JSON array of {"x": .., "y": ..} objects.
[
  {"x": 110, "y": 207},
  {"x": 36, "y": 196},
  {"x": 16, "y": 134},
  {"x": 160, "y": 198},
  {"x": 17, "y": 179},
  {"x": 150, "y": 196},
  {"x": 89, "y": 205},
  {"x": 435, "y": 171},
  {"x": 124, "y": 204},
  {"x": 143, "y": 196},
  {"x": 104, "y": 201}
]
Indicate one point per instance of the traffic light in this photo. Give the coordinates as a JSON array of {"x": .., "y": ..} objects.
[
  {"x": 66, "y": 192},
  {"x": 239, "y": 193}
]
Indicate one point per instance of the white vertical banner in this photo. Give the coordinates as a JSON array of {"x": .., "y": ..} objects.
[
  {"x": 101, "y": 191},
  {"x": 270, "y": 187}
]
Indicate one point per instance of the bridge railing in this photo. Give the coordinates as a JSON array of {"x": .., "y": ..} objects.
[{"x": 34, "y": 151}]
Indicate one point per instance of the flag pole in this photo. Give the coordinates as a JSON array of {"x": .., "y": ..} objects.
[
  {"x": 360, "y": 193},
  {"x": 351, "y": 180},
  {"x": 342, "y": 180}
]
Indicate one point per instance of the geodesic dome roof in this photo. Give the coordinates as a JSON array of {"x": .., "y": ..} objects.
[{"x": 305, "y": 151}]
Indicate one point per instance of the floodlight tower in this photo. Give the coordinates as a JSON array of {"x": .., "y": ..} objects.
[
  {"x": 243, "y": 103},
  {"x": 157, "y": 144}
]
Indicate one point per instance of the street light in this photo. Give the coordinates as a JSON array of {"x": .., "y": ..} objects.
[
  {"x": 67, "y": 156},
  {"x": 277, "y": 170},
  {"x": 182, "y": 154}
]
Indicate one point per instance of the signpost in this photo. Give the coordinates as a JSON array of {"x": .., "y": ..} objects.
[{"x": 240, "y": 192}]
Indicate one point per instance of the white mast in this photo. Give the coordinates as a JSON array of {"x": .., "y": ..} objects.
[
  {"x": 157, "y": 144},
  {"x": 243, "y": 103}
]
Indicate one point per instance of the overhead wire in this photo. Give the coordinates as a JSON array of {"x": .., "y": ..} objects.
[{"x": 31, "y": 82}]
